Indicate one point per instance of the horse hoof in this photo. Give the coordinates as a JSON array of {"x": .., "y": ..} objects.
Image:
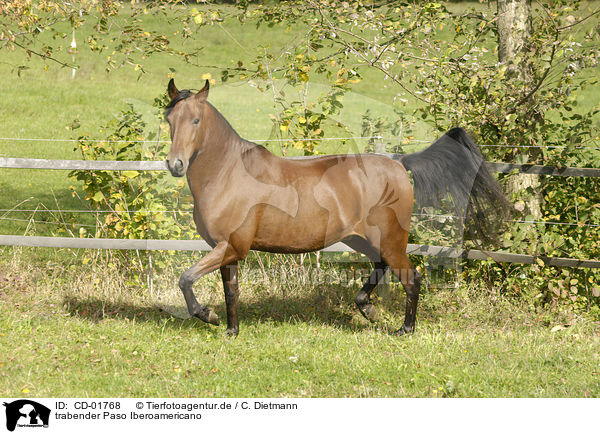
[
  {"x": 213, "y": 318},
  {"x": 232, "y": 332},
  {"x": 404, "y": 330},
  {"x": 208, "y": 315},
  {"x": 368, "y": 311}
]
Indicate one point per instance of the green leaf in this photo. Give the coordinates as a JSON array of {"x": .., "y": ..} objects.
[{"x": 130, "y": 174}]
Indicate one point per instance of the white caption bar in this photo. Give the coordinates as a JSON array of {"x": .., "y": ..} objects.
[{"x": 102, "y": 415}]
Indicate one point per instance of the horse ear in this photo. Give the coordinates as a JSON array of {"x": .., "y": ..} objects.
[
  {"x": 172, "y": 90},
  {"x": 203, "y": 94}
]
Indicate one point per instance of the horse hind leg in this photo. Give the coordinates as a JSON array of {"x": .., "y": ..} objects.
[
  {"x": 363, "y": 298},
  {"x": 404, "y": 270}
]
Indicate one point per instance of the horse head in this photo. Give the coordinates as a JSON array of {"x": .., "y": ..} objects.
[{"x": 185, "y": 115}]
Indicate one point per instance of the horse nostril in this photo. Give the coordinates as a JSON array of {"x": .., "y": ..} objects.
[{"x": 176, "y": 167}]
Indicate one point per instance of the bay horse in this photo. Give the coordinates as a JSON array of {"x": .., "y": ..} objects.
[{"x": 246, "y": 198}]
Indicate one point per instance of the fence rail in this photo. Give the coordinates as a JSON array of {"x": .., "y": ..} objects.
[
  {"x": 197, "y": 245},
  {"x": 37, "y": 163}
]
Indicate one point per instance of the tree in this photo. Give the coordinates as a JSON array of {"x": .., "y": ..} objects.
[
  {"x": 37, "y": 28},
  {"x": 514, "y": 34},
  {"x": 520, "y": 103}
]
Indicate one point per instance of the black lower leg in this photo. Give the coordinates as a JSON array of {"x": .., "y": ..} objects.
[
  {"x": 363, "y": 298},
  {"x": 230, "y": 286},
  {"x": 202, "y": 312},
  {"x": 412, "y": 288}
]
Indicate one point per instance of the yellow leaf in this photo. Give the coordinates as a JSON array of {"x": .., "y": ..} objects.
[
  {"x": 283, "y": 128},
  {"x": 130, "y": 173},
  {"x": 206, "y": 76}
]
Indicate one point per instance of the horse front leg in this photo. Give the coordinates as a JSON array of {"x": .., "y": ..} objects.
[
  {"x": 229, "y": 273},
  {"x": 220, "y": 256}
]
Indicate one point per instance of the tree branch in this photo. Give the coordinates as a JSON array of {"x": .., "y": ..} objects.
[{"x": 44, "y": 56}]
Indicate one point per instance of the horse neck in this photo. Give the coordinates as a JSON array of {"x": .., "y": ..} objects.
[
  {"x": 222, "y": 147},
  {"x": 218, "y": 133}
]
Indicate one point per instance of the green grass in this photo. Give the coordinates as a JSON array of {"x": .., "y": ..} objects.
[{"x": 69, "y": 331}]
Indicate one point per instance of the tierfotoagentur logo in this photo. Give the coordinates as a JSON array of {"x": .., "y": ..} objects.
[{"x": 25, "y": 413}]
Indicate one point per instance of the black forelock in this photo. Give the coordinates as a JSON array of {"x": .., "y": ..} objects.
[{"x": 186, "y": 93}]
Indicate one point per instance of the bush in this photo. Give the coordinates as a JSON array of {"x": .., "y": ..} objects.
[{"x": 132, "y": 204}]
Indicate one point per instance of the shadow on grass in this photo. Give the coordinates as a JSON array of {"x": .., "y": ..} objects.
[
  {"x": 275, "y": 309},
  {"x": 331, "y": 306}
]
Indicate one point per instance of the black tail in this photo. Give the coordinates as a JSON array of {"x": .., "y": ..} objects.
[{"x": 453, "y": 166}]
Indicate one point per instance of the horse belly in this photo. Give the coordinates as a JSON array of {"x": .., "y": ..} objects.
[{"x": 313, "y": 228}]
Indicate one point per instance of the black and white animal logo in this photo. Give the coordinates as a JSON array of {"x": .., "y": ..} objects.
[{"x": 26, "y": 413}]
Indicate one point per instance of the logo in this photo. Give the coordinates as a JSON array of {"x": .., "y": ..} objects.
[{"x": 26, "y": 413}]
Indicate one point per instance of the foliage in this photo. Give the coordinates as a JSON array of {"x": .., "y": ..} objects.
[
  {"x": 22, "y": 22},
  {"x": 135, "y": 204},
  {"x": 132, "y": 204}
]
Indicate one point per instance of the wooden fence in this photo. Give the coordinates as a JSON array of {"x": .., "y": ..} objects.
[{"x": 196, "y": 245}]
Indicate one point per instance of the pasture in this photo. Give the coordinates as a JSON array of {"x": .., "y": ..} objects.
[
  {"x": 77, "y": 323},
  {"x": 70, "y": 330}
]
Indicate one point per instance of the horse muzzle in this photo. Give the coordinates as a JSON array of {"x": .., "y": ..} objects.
[{"x": 177, "y": 167}]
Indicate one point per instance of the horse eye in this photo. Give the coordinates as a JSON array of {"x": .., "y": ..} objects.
[{"x": 196, "y": 121}]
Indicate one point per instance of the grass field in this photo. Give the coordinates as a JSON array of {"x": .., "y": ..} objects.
[
  {"x": 84, "y": 332},
  {"x": 75, "y": 323}
]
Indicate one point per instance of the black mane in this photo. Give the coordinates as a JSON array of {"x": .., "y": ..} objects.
[{"x": 186, "y": 93}]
